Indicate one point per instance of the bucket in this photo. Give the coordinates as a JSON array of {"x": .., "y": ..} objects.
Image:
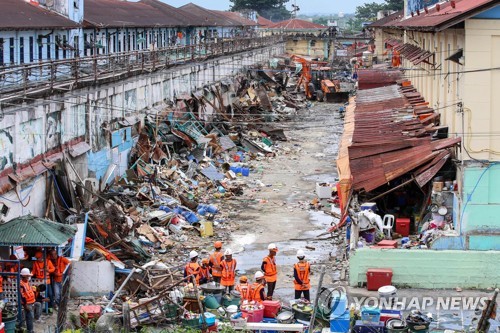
[
  {"x": 10, "y": 326},
  {"x": 211, "y": 302},
  {"x": 253, "y": 316},
  {"x": 230, "y": 300},
  {"x": 245, "y": 172}
]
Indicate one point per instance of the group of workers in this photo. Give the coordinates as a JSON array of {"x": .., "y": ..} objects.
[
  {"x": 220, "y": 267},
  {"x": 49, "y": 270}
]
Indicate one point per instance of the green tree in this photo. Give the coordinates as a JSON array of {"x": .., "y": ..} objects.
[
  {"x": 368, "y": 11},
  {"x": 394, "y": 5},
  {"x": 321, "y": 20},
  {"x": 257, "y": 5}
]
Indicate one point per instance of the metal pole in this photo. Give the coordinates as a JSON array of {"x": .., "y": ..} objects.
[
  {"x": 203, "y": 319},
  {"x": 107, "y": 308},
  {"x": 320, "y": 283}
]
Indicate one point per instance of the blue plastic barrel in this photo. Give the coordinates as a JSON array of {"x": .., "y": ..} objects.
[{"x": 245, "y": 172}]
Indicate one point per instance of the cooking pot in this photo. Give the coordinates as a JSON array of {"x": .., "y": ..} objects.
[
  {"x": 212, "y": 288},
  {"x": 302, "y": 313},
  {"x": 285, "y": 317}
]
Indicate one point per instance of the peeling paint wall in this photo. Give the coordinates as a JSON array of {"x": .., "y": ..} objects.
[{"x": 91, "y": 115}]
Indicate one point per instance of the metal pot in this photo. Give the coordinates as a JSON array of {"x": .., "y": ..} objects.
[
  {"x": 232, "y": 309},
  {"x": 212, "y": 288},
  {"x": 285, "y": 317}
]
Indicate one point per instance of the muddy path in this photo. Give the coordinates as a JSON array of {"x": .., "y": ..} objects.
[{"x": 275, "y": 207}]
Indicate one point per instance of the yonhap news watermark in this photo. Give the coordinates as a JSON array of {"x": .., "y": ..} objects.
[{"x": 448, "y": 303}]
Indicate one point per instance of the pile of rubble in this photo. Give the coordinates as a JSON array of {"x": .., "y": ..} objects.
[{"x": 188, "y": 160}]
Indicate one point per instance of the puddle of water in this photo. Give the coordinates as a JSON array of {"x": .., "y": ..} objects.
[{"x": 321, "y": 178}]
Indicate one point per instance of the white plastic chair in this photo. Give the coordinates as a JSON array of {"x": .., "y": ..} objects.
[{"x": 387, "y": 224}]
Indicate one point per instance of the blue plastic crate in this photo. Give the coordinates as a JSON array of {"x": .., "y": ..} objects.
[
  {"x": 340, "y": 323},
  {"x": 370, "y": 315},
  {"x": 269, "y": 321},
  {"x": 209, "y": 318}
]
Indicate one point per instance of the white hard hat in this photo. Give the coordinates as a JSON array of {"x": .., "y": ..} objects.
[
  {"x": 272, "y": 246},
  {"x": 228, "y": 252},
  {"x": 25, "y": 272},
  {"x": 300, "y": 254},
  {"x": 258, "y": 275},
  {"x": 193, "y": 254}
]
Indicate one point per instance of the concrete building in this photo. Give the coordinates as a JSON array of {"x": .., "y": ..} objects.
[
  {"x": 450, "y": 51},
  {"x": 118, "y": 64}
]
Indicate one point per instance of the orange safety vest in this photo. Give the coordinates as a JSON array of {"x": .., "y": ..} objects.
[
  {"x": 256, "y": 288},
  {"x": 193, "y": 268},
  {"x": 215, "y": 259},
  {"x": 205, "y": 272},
  {"x": 271, "y": 271},
  {"x": 27, "y": 292},
  {"x": 61, "y": 264},
  {"x": 228, "y": 272},
  {"x": 245, "y": 291},
  {"x": 40, "y": 267},
  {"x": 303, "y": 269}
]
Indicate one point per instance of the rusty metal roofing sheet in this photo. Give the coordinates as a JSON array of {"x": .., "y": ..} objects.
[
  {"x": 296, "y": 24},
  {"x": 185, "y": 18},
  {"x": 263, "y": 22},
  {"x": 389, "y": 19},
  {"x": 438, "y": 19},
  {"x": 20, "y": 14},
  {"x": 236, "y": 17},
  {"x": 116, "y": 13},
  {"x": 374, "y": 78},
  {"x": 209, "y": 17},
  {"x": 384, "y": 140}
]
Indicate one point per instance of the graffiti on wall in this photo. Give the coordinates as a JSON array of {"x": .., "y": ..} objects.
[
  {"x": 131, "y": 100},
  {"x": 6, "y": 147},
  {"x": 30, "y": 142},
  {"x": 53, "y": 130},
  {"x": 413, "y": 5}
]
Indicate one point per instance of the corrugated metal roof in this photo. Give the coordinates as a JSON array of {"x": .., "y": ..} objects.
[
  {"x": 443, "y": 15},
  {"x": 210, "y": 17},
  {"x": 19, "y": 14},
  {"x": 188, "y": 19},
  {"x": 263, "y": 22},
  {"x": 375, "y": 78},
  {"x": 383, "y": 139},
  {"x": 296, "y": 24},
  {"x": 236, "y": 17},
  {"x": 34, "y": 231},
  {"x": 119, "y": 14},
  {"x": 394, "y": 17}
]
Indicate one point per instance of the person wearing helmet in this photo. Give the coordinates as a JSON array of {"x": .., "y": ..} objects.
[
  {"x": 270, "y": 270},
  {"x": 43, "y": 269},
  {"x": 228, "y": 270},
  {"x": 27, "y": 298},
  {"x": 214, "y": 262},
  {"x": 301, "y": 271},
  {"x": 258, "y": 290},
  {"x": 244, "y": 289},
  {"x": 205, "y": 271},
  {"x": 192, "y": 267}
]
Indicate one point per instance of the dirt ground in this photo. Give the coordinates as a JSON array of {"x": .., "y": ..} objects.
[{"x": 277, "y": 210}]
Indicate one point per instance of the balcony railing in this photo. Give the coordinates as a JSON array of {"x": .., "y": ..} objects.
[{"x": 66, "y": 74}]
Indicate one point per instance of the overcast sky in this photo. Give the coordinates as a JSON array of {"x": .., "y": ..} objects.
[{"x": 306, "y": 6}]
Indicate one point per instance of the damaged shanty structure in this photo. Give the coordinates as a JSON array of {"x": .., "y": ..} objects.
[{"x": 137, "y": 222}]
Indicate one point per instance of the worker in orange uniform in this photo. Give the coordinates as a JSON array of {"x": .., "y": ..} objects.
[
  {"x": 258, "y": 287},
  {"x": 244, "y": 289},
  {"x": 12, "y": 267},
  {"x": 301, "y": 271},
  {"x": 193, "y": 268},
  {"x": 214, "y": 262},
  {"x": 228, "y": 270},
  {"x": 43, "y": 269},
  {"x": 270, "y": 270},
  {"x": 27, "y": 298},
  {"x": 205, "y": 271},
  {"x": 60, "y": 264}
]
